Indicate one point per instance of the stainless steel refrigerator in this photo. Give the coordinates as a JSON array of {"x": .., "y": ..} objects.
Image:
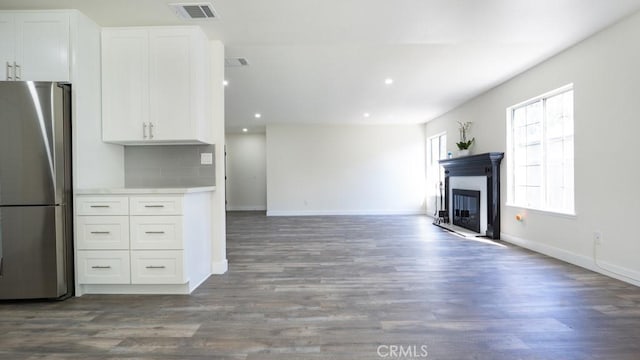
[{"x": 36, "y": 255}]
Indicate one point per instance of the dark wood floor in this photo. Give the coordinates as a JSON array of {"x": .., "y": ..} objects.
[{"x": 347, "y": 288}]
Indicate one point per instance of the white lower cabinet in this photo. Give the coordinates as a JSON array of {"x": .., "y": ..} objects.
[
  {"x": 145, "y": 248},
  {"x": 102, "y": 205},
  {"x": 103, "y": 232},
  {"x": 156, "y": 205},
  {"x": 156, "y": 233},
  {"x": 157, "y": 267},
  {"x": 103, "y": 267}
]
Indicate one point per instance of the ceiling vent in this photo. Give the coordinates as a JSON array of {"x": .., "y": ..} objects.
[
  {"x": 194, "y": 11},
  {"x": 236, "y": 62}
]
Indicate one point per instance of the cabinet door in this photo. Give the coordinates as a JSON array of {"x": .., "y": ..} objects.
[
  {"x": 171, "y": 84},
  {"x": 42, "y": 46},
  {"x": 102, "y": 232},
  {"x": 156, "y": 233},
  {"x": 102, "y": 205},
  {"x": 158, "y": 267},
  {"x": 125, "y": 96},
  {"x": 103, "y": 267},
  {"x": 7, "y": 41},
  {"x": 156, "y": 205}
]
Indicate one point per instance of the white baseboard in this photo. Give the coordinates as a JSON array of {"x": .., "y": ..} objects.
[
  {"x": 219, "y": 267},
  {"x": 247, "y": 208},
  {"x": 343, "y": 212},
  {"x": 156, "y": 289},
  {"x": 616, "y": 272},
  {"x": 196, "y": 285}
]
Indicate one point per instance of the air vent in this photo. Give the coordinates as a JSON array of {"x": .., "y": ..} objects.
[
  {"x": 195, "y": 11},
  {"x": 235, "y": 62}
]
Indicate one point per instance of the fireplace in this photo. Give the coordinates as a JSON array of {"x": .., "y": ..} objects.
[
  {"x": 466, "y": 209},
  {"x": 486, "y": 166}
]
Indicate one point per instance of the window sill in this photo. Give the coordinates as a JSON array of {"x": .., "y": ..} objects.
[{"x": 544, "y": 212}]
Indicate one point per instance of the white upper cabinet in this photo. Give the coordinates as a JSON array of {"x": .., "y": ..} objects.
[
  {"x": 155, "y": 85},
  {"x": 7, "y": 39},
  {"x": 125, "y": 90},
  {"x": 35, "y": 46}
]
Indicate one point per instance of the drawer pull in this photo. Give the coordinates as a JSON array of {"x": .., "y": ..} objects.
[
  {"x": 101, "y": 232},
  {"x": 101, "y": 267},
  {"x": 154, "y": 206},
  {"x": 100, "y": 206},
  {"x": 154, "y": 232},
  {"x": 156, "y": 267}
]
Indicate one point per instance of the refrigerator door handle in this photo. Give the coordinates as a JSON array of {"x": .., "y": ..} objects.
[
  {"x": 17, "y": 71},
  {"x": 58, "y": 143},
  {"x": 9, "y": 71},
  {"x": 62, "y": 250}
]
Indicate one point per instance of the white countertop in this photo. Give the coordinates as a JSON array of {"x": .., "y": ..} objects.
[{"x": 128, "y": 191}]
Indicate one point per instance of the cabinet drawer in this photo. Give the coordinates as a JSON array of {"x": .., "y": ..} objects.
[
  {"x": 104, "y": 267},
  {"x": 103, "y": 232},
  {"x": 157, "y": 267},
  {"x": 102, "y": 205},
  {"x": 156, "y": 232},
  {"x": 156, "y": 205}
]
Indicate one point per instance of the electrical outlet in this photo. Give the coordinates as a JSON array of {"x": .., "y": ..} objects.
[
  {"x": 206, "y": 158},
  {"x": 597, "y": 237}
]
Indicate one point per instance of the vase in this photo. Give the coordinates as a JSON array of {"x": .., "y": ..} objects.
[{"x": 464, "y": 152}]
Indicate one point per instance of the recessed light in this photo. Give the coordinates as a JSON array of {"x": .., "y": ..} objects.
[
  {"x": 257, "y": 115},
  {"x": 225, "y": 83},
  {"x": 245, "y": 129},
  {"x": 388, "y": 81},
  {"x": 366, "y": 115}
]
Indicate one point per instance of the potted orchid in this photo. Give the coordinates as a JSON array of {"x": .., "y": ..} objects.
[{"x": 464, "y": 144}]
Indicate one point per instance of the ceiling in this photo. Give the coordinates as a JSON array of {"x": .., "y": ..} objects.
[{"x": 325, "y": 61}]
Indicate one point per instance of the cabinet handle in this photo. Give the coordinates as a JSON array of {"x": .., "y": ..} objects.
[
  {"x": 101, "y": 267},
  {"x": 156, "y": 267},
  {"x": 101, "y": 232},
  {"x": 100, "y": 206},
  {"x": 154, "y": 232},
  {"x": 9, "y": 71},
  {"x": 154, "y": 206},
  {"x": 150, "y": 130},
  {"x": 144, "y": 130},
  {"x": 17, "y": 68}
]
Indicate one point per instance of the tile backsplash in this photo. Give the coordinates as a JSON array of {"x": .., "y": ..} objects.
[{"x": 167, "y": 166}]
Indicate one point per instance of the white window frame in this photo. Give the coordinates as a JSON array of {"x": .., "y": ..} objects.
[{"x": 511, "y": 158}]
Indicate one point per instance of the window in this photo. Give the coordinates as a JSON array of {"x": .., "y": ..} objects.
[
  {"x": 436, "y": 150},
  {"x": 540, "y": 152}
]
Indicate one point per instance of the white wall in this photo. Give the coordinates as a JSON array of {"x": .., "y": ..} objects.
[
  {"x": 246, "y": 172},
  {"x": 96, "y": 164},
  {"x": 605, "y": 72},
  {"x": 357, "y": 169},
  {"x": 218, "y": 211}
]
